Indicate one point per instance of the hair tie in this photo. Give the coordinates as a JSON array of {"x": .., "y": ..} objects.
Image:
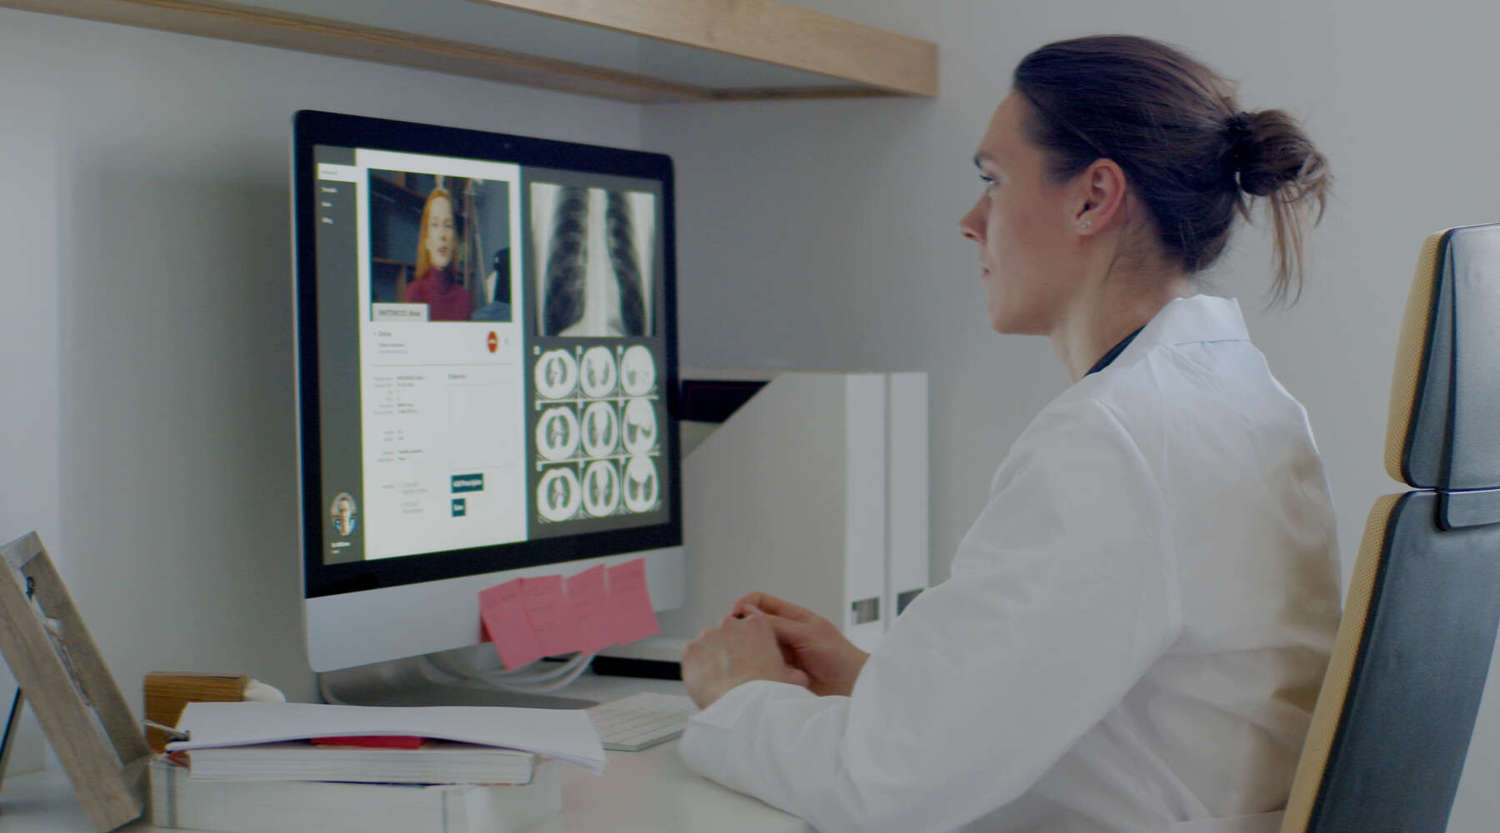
[
  {"x": 1239, "y": 133},
  {"x": 1238, "y": 127}
]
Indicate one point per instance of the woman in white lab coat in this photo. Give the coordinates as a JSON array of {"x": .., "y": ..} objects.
[{"x": 1136, "y": 626}]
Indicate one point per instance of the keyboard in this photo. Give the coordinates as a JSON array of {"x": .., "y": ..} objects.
[{"x": 633, "y": 723}]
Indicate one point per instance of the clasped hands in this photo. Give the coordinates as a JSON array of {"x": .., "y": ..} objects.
[{"x": 766, "y": 638}]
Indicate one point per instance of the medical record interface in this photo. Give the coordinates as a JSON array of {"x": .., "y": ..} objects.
[{"x": 491, "y": 363}]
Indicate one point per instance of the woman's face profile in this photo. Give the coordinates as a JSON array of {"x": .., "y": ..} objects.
[
  {"x": 1028, "y": 258},
  {"x": 440, "y": 232}
]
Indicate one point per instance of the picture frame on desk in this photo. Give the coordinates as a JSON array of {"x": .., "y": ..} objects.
[{"x": 77, "y": 702}]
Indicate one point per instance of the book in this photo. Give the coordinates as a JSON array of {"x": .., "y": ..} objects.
[
  {"x": 179, "y": 801},
  {"x": 434, "y": 762},
  {"x": 566, "y": 735}
]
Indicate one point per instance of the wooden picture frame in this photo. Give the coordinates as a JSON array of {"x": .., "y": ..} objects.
[{"x": 60, "y": 671}]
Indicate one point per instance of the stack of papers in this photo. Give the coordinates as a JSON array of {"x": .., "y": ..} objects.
[
  {"x": 566, "y": 735},
  {"x": 435, "y": 762}
]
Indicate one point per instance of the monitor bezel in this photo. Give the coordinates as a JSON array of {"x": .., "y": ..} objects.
[{"x": 312, "y": 128}]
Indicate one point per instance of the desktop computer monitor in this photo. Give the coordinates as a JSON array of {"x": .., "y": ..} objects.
[{"x": 487, "y": 370}]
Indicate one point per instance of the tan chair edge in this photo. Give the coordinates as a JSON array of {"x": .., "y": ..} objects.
[
  {"x": 1409, "y": 350},
  {"x": 1330, "y": 706}
]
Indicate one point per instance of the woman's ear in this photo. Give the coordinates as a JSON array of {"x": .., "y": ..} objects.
[{"x": 1100, "y": 196}]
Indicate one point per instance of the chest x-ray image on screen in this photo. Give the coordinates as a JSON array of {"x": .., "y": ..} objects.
[{"x": 595, "y": 260}]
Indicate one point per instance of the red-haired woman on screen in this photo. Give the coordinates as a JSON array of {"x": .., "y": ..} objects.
[{"x": 436, "y": 285}]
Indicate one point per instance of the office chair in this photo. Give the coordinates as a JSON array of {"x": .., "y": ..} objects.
[{"x": 1392, "y": 723}]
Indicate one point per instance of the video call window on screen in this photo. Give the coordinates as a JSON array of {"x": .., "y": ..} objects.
[{"x": 440, "y": 245}]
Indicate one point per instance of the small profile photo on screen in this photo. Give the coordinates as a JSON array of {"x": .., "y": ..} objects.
[
  {"x": 439, "y": 248},
  {"x": 595, "y": 260},
  {"x": 343, "y": 513}
]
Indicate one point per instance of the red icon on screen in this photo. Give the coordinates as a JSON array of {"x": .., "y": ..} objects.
[{"x": 493, "y": 341}]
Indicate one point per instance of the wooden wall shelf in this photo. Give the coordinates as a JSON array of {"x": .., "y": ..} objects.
[{"x": 645, "y": 51}]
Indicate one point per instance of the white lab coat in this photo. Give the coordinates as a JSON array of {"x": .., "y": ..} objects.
[{"x": 1132, "y": 637}]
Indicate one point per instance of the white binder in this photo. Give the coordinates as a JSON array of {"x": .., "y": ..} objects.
[
  {"x": 814, "y": 490},
  {"x": 908, "y": 526}
]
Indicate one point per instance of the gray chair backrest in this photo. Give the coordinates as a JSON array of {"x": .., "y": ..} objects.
[{"x": 1391, "y": 728}]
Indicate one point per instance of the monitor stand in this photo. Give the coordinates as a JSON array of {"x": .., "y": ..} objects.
[{"x": 414, "y": 682}]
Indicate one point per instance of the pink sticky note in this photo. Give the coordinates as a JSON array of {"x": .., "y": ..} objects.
[
  {"x": 588, "y": 604},
  {"x": 504, "y": 622},
  {"x": 630, "y": 602},
  {"x": 547, "y": 611}
]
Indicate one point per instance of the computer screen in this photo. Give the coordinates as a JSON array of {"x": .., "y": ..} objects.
[{"x": 487, "y": 371}]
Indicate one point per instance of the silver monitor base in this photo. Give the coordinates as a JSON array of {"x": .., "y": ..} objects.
[{"x": 413, "y": 682}]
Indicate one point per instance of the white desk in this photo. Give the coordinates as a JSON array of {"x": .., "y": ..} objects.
[
  {"x": 652, "y": 791},
  {"x": 640, "y": 792}
]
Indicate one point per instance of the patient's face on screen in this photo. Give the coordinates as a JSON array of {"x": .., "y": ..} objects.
[{"x": 440, "y": 233}]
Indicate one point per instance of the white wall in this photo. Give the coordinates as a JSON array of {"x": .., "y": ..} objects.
[
  {"x": 146, "y": 357},
  {"x": 823, "y": 234}
]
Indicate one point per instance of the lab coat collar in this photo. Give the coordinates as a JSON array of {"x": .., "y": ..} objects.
[{"x": 1196, "y": 319}]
